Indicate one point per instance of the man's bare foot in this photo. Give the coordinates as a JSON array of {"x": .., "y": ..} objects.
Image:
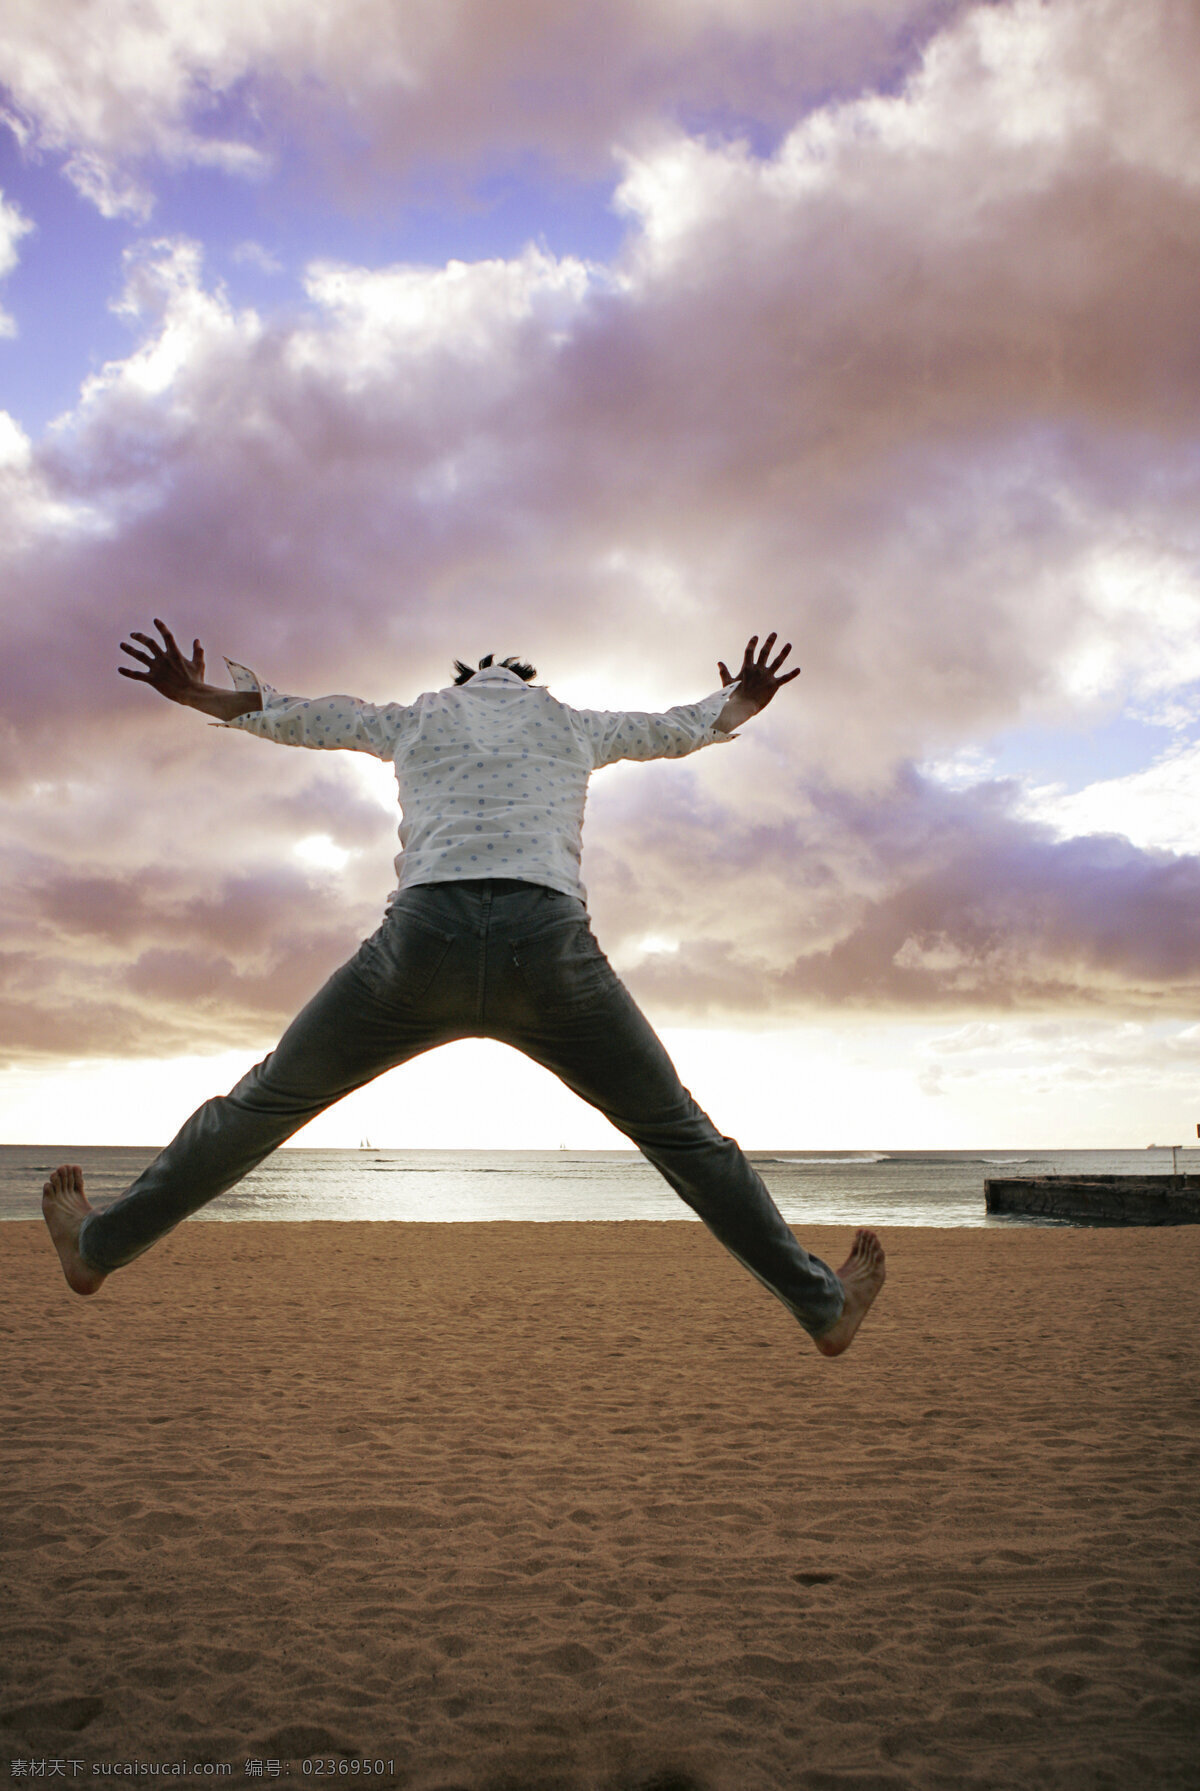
[
  {"x": 862, "y": 1276},
  {"x": 64, "y": 1208}
]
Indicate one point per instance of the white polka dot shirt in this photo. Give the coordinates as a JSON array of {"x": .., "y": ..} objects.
[{"x": 492, "y": 774}]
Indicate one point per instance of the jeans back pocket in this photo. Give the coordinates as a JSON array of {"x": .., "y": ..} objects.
[
  {"x": 400, "y": 961},
  {"x": 562, "y": 967}
]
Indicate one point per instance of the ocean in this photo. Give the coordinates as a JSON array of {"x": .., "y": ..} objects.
[{"x": 880, "y": 1188}]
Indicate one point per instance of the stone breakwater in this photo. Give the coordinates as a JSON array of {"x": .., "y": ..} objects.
[{"x": 1099, "y": 1199}]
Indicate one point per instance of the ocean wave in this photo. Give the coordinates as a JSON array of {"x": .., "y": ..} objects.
[
  {"x": 947, "y": 1160},
  {"x": 807, "y": 1162}
]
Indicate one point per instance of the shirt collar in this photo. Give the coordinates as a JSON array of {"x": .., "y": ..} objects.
[{"x": 494, "y": 674}]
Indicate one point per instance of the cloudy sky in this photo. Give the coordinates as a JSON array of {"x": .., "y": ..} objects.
[{"x": 352, "y": 336}]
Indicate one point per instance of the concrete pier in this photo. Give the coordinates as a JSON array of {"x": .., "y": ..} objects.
[{"x": 1099, "y": 1199}]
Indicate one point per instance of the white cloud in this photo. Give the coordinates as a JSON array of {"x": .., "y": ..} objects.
[
  {"x": 33, "y": 509},
  {"x": 254, "y": 254},
  {"x": 1096, "y": 1051},
  {"x": 111, "y": 81},
  {"x": 112, "y": 190},
  {"x": 13, "y": 226},
  {"x": 186, "y": 329},
  {"x": 1003, "y": 100},
  {"x": 474, "y": 313},
  {"x": 116, "y": 83},
  {"x": 1143, "y": 597},
  {"x": 319, "y": 851},
  {"x": 120, "y": 85},
  {"x": 1158, "y": 808},
  {"x": 1037, "y": 77}
]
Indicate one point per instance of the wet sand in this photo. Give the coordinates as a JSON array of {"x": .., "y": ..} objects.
[{"x": 578, "y": 1508}]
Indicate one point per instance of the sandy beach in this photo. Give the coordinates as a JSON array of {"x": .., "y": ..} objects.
[{"x": 578, "y": 1508}]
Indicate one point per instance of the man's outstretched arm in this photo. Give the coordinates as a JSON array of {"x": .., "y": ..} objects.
[
  {"x": 613, "y": 735},
  {"x": 757, "y": 682},
  {"x": 181, "y": 680},
  {"x": 329, "y": 722}
]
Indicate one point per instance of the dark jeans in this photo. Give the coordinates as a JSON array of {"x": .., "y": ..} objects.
[{"x": 493, "y": 959}]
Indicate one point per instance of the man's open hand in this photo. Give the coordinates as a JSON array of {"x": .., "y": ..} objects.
[
  {"x": 757, "y": 681},
  {"x": 180, "y": 680}
]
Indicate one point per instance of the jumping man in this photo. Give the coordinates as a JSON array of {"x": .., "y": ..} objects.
[{"x": 486, "y": 936}]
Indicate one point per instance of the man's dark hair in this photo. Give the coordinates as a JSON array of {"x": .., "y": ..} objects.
[{"x": 518, "y": 666}]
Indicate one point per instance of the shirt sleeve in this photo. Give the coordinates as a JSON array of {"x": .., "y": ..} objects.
[
  {"x": 330, "y": 721},
  {"x": 613, "y": 735}
]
